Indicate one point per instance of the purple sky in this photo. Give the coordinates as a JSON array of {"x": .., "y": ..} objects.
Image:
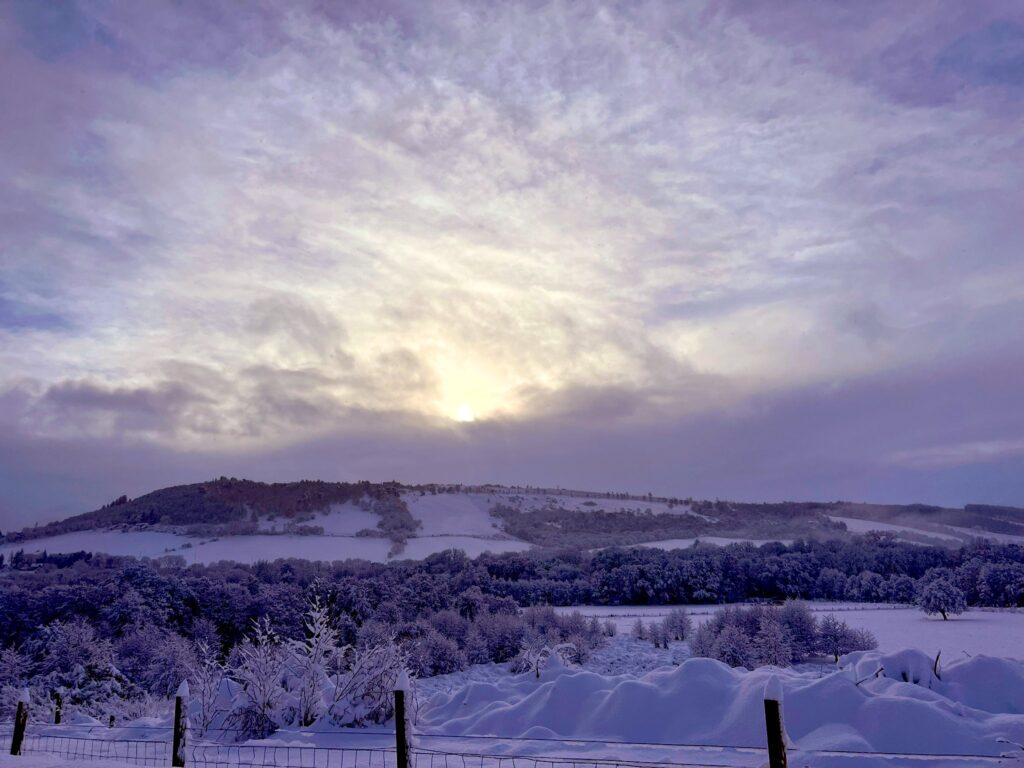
[{"x": 750, "y": 250}]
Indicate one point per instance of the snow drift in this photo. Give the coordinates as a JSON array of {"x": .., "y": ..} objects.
[{"x": 966, "y": 710}]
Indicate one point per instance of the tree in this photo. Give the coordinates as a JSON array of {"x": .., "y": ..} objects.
[
  {"x": 257, "y": 668},
  {"x": 677, "y": 624},
  {"x": 309, "y": 659},
  {"x": 205, "y": 678},
  {"x": 772, "y": 646},
  {"x": 941, "y": 596},
  {"x": 733, "y": 647},
  {"x": 639, "y": 630},
  {"x": 837, "y": 638}
]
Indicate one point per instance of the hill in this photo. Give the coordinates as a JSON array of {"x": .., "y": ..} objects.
[{"x": 244, "y": 520}]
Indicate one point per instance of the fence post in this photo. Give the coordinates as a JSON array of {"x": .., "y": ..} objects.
[
  {"x": 20, "y": 722},
  {"x": 58, "y": 706},
  {"x": 401, "y": 737},
  {"x": 773, "y": 724},
  {"x": 178, "y": 743}
]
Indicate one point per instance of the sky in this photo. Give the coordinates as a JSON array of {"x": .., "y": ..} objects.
[{"x": 741, "y": 250}]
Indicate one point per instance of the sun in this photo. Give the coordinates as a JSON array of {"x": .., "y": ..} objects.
[{"x": 465, "y": 413}]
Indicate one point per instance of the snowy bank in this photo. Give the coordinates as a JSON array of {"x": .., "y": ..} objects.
[{"x": 967, "y": 710}]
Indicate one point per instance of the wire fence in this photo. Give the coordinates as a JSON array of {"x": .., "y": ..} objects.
[
  {"x": 130, "y": 751},
  {"x": 257, "y": 756},
  {"x": 437, "y": 750}
]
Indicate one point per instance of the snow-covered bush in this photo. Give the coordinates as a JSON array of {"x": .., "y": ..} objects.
[
  {"x": 362, "y": 684},
  {"x": 156, "y": 659},
  {"x": 435, "y": 654},
  {"x": 502, "y": 635}
]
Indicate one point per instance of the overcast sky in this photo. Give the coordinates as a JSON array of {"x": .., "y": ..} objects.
[{"x": 750, "y": 250}]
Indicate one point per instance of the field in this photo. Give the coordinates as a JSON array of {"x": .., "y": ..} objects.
[{"x": 991, "y": 632}]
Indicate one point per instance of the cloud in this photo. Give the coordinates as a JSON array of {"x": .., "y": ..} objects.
[{"x": 959, "y": 454}]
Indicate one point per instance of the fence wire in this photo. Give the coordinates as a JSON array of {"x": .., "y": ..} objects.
[
  {"x": 132, "y": 751},
  {"x": 155, "y": 752}
]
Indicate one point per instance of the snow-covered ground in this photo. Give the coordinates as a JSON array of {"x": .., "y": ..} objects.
[
  {"x": 993, "y": 632},
  {"x": 718, "y": 541},
  {"x": 249, "y": 549},
  {"x": 639, "y": 705},
  {"x": 865, "y": 706},
  {"x": 857, "y": 525}
]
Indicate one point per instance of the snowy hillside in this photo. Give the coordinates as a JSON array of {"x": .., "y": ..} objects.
[{"x": 245, "y": 521}]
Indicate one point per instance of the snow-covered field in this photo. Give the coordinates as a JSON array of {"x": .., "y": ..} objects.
[
  {"x": 718, "y": 541},
  {"x": 857, "y": 525},
  {"x": 250, "y": 549},
  {"x": 992, "y": 632}
]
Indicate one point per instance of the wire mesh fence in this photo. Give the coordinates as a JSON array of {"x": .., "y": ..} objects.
[
  {"x": 257, "y": 756},
  {"x": 130, "y": 751},
  {"x": 74, "y": 743}
]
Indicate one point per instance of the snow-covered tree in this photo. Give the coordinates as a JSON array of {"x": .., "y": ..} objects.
[
  {"x": 836, "y": 638},
  {"x": 14, "y": 674},
  {"x": 205, "y": 677},
  {"x": 657, "y": 634},
  {"x": 639, "y": 631},
  {"x": 310, "y": 658},
  {"x": 801, "y": 627},
  {"x": 677, "y": 624},
  {"x": 70, "y": 656},
  {"x": 772, "y": 645},
  {"x": 941, "y": 596},
  {"x": 733, "y": 647},
  {"x": 258, "y": 667}
]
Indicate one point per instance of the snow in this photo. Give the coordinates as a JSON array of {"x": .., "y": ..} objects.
[
  {"x": 467, "y": 514},
  {"x": 876, "y": 701},
  {"x": 701, "y": 701},
  {"x": 111, "y": 542},
  {"x": 345, "y": 520},
  {"x": 975, "y": 533},
  {"x": 857, "y": 525},
  {"x": 718, "y": 541},
  {"x": 250, "y": 549}
]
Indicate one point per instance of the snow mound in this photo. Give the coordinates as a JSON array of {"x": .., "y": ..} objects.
[
  {"x": 973, "y": 704},
  {"x": 984, "y": 683}
]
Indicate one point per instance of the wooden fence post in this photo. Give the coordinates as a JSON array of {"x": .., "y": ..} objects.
[
  {"x": 776, "y": 737},
  {"x": 401, "y": 736},
  {"x": 180, "y": 715},
  {"x": 20, "y": 723}
]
